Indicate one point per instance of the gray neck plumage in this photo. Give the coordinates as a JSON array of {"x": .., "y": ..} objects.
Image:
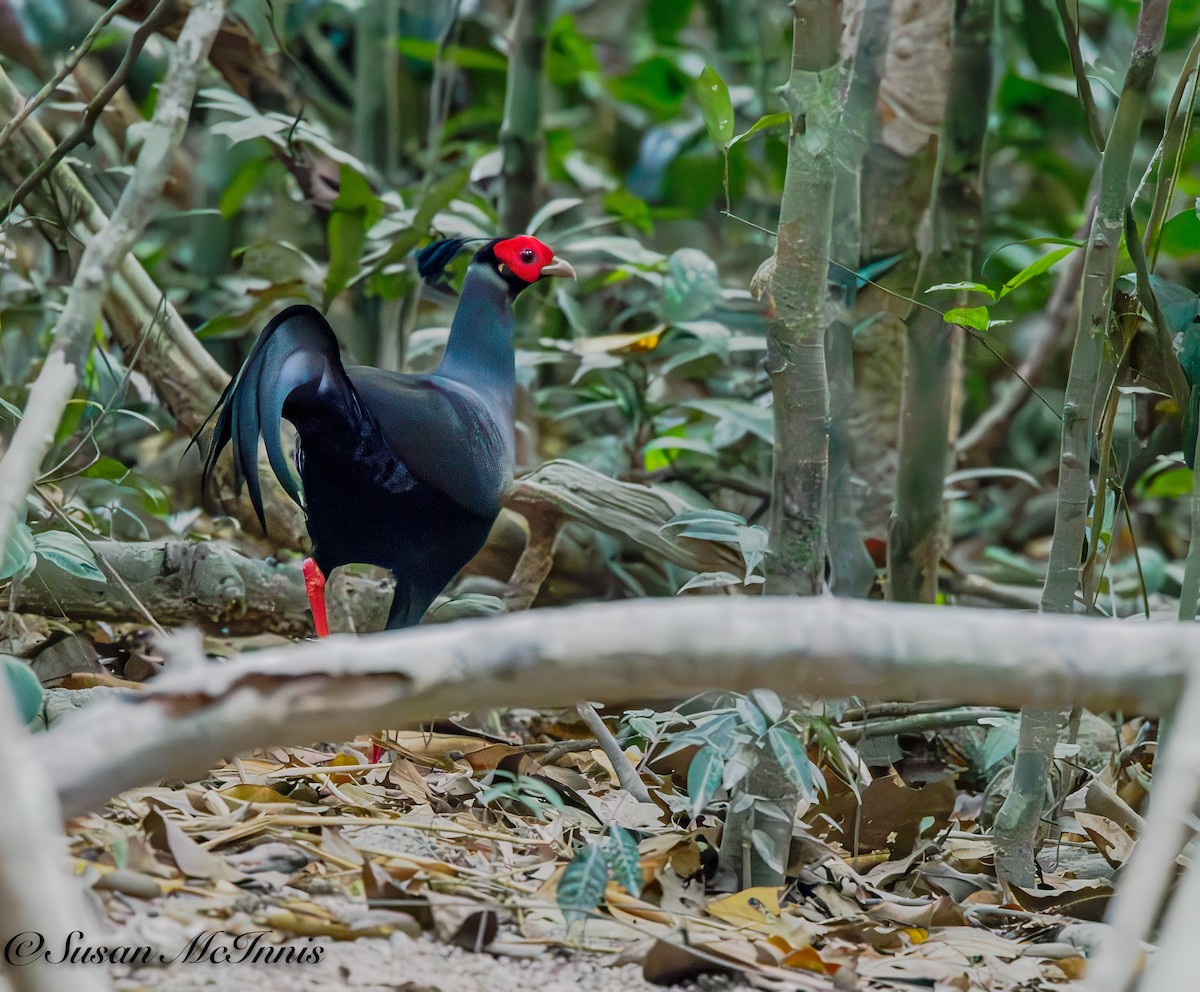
[{"x": 479, "y": 353}]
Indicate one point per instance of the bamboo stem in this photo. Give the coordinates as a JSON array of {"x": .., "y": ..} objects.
[
  {"x": 521, "y": 130},
  {"x": 1099, "y": 273},
  {"x": 796, "y": 338},
  {"x": 933, "y": 353}
]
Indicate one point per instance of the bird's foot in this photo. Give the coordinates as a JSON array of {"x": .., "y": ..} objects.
[{"x": 314, "y": 585}]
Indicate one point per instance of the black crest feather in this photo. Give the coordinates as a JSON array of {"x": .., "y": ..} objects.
[{"x": 433, "y": 259}]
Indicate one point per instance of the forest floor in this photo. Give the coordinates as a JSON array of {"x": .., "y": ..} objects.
[{"x": 431, "y": 871}]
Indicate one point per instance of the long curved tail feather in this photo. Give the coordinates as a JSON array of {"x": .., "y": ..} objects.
[{"x": 296, "y": 352}]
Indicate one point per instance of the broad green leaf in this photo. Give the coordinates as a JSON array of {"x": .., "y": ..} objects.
[
  {"x": 762, "y": 124},
  {"x": 762, "y": 843},
  {"x": 582, "y": 884},
  {"x": 1180, "y": 237},
  {"x": 715, "y": 105},
  {"x": 751, "y": 716},
  {"x": 735, "y": 418},
  {"x": 692, "y": 286},
  {"x": 1170, "y": 484},
  {"x": 26, "y": 689},
  {"x": 769, "y": 702},
  {"x": 974, "y": 317},
  {"x": 623, "y": 859},
  {"x": 704, "y": 777},
  {"x": 354, "y": 211},
  {"x": 1035, "y": 269},
  {"x": 1000, "y": 742},
  {"x": 18, "y": 556},
  {"x": 69, "y": 552},
  {"x": 793, "y": 758}
]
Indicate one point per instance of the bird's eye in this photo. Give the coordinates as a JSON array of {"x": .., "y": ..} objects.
[{"x": 527, "y": 255}]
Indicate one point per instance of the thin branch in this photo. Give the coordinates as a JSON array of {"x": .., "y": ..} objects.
[
  {"x": 161, "y": 15},
  {"x": 626, "y": 774},
  {"x": 68, "y": 65}
]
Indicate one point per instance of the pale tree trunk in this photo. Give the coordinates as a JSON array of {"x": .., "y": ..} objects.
[{"x": 800, "y": 287}]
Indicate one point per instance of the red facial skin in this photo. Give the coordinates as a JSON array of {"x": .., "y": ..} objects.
[{"x": 524, "y": 255}]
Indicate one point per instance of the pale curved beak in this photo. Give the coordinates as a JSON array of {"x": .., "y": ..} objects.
[{"x": 558, "y": 267}]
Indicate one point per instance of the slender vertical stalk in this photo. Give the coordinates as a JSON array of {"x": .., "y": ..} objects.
[
  {"x": 1016, "y": 826},
  {"x": 933, "y": 354},
  {"x": 1099, "y": 272},
  {"x": 796, "y": 339},
  {"x": 521, "y": 130},
  {"x": 851, "y": 570},
  {"x": 1191, "y": 571}
]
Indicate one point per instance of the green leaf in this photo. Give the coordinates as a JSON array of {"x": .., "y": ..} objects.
[
  {"x": 764, "y": 845},
  {"x": 793, "y": 759},
  {"x": 459, "y": 55},
  {"x": 13, "y": 411},
  {"x": 1000, "y": 742},
  {"x": 764, "y": 123},
  {"x": 355, "y": 209},
  {"x": 1035, "y": 269},
  {"x": 751, "y": 716},
  {"x": 69, "y": 552},
  {"x": 959, "y": 287},
  {"x": 623, "y": 860},
  {"x": 704, "y": 777},
  {"x": 769, "y": 702},
  {"x": 974, "y": 317},
  {"x": 1169, "y": 484},
  {"x": 715, "y": 105},
  {"x": 1180, "y": 236},
  {"x": 582, "y": 884},
  {"x": 18, "y": 554},
  {"x": 26, "y": 689}
]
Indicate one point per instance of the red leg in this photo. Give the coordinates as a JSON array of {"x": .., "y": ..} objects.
[{"x": 314, "y": 585}]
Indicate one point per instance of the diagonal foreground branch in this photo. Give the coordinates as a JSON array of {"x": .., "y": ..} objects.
[
  {"x": 37, "y": 896},
  {"x": 56, "y": 382},
  {"x": 198, "y": 712}
]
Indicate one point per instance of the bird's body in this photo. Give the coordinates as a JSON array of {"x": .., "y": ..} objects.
[{"x": 407, "y": 472}]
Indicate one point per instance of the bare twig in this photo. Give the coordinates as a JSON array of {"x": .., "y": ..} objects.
[
  {"x": 627, "y": 775},
  {"x": 193, "y": 714}
]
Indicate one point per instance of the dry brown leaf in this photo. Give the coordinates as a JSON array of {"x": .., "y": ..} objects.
[{"x": 1114, "y": 843}]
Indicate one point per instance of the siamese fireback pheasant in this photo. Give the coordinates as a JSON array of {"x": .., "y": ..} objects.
[{"x": 407, "y": 472}]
